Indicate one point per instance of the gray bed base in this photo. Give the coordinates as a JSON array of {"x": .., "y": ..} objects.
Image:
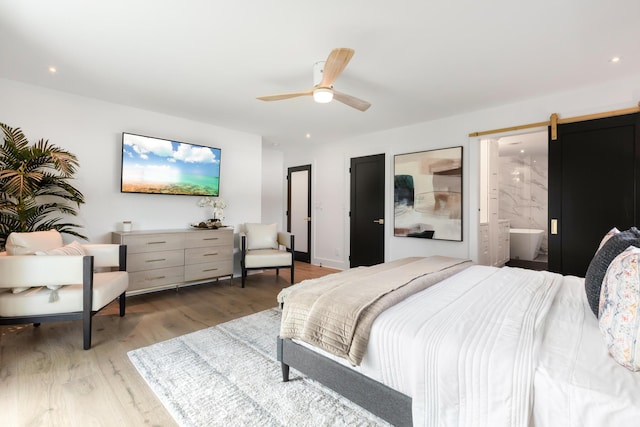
[{"x": 373, "y": 396}]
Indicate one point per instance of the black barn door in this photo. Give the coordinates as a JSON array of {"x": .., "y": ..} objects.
[
  {"x": 593, "y": 186},
  {"x": 367, "y": 210}
]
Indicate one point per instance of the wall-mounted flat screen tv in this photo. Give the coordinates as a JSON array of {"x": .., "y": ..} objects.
[{"x": 160, "y": 166}]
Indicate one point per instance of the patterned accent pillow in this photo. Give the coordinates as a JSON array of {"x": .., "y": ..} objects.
[
  {"x": 620, "y": 309},
  {"x": 611, "y": 248}
]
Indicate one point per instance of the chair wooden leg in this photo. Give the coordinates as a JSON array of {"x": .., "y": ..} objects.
[
  {"x": 86, "y": 330},
  {"x": 244, "y": 276},
  {"x": 292, "y": 274},
  {"x": 277, "y": 271},
  {"x": 87, "y": 300},
  {"x": 122, "y": 301}
]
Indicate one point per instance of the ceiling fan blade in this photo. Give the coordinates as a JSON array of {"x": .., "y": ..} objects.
[
  {"x": 351, "y": 101},
  {"x": 279, "y": 96},
  {"x": 335, "y": 64}
]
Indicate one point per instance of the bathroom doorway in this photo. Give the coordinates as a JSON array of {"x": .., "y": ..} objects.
[{"x": 514, "y": 200}]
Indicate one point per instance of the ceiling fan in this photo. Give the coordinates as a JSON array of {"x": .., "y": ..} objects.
[{"x": 324, "y": 74}]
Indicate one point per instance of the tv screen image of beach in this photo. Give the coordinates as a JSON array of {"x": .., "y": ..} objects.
[{"x": 160, "y": 166}]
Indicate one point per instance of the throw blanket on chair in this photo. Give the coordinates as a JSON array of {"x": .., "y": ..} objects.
[{"x": 313, "y": 314}]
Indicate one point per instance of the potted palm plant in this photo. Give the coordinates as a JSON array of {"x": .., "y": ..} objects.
[{"x": 35, "y": 189}]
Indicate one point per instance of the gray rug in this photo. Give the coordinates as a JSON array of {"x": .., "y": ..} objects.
[{"x": 228, "y": 375}]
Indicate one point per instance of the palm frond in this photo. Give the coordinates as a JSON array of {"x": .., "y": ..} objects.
[
  {"x": 14, "y": 136},
  {"x": 35, "y": 188}
]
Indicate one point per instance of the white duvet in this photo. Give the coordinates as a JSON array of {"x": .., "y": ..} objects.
[
  {"x": 577, "y": 383},
  {"x": 466, "y": 346},
  {"x": 501, "y": 347}
]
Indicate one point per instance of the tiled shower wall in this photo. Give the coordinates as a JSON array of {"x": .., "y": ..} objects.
[{"x": 524, "y": 192}]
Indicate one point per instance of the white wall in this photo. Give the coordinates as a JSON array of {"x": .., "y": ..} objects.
[
  {"x": 330, "y": 191},
  {"x": 91, "y": 129},
  {"x": 274, "y": 196}
]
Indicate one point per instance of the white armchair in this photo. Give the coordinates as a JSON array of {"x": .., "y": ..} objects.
[
  {"x": 59, "y": 284},
  {"x": 263, "y": 247}
]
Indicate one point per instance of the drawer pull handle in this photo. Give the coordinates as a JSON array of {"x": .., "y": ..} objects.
[
  {"x": 215, "y": 253},
  {"x": 150, "y": 279},
  {"x": 156, "y": 243},
  {"x": 210, "y": 269},
  {"x": 210, "y": 238},
  {"x": 156, "y": 260}
]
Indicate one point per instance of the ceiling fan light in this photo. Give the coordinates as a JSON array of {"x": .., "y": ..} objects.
[{"x": 322, "y": 95}]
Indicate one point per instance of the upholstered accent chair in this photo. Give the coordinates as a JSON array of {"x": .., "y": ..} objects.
[
  {"x": 262, "y": 246},
  {"x": 43, "y": 280}
]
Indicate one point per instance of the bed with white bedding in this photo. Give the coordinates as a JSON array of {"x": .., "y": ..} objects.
[{"x": 484, "y": 346}]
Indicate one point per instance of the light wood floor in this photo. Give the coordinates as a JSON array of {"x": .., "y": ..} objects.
[{"x": 46, "y": 379}]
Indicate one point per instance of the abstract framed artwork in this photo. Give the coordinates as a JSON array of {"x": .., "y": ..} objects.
[{"x": 428, "y": 194}]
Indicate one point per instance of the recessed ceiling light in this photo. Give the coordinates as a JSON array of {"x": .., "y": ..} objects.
[
  {"x": 53, "y": 70},
  {"x": 308, "y": 136},
  {"x": 615, "y": 59}
]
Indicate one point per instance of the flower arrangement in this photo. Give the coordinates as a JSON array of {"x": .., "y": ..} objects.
[{"x": 217, "y": 206}]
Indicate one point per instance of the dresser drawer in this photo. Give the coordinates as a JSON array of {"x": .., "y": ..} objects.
[
  {"x": 154, "y": 278},
  {"x": 151, "y": 260},
  {"x": 207, "y": 270},
  {"x": 165, "y": 258},
  {"x": 206, "y": 238},
  {"x": 205, "y": 255},
  {"x": 153, "y": 242}
]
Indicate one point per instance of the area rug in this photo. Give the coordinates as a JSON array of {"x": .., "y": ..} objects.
[{"x": 227, "y": 375}]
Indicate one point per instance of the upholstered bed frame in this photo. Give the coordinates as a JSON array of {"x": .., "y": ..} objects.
[
  {"x": 375, "y": 397},
  {"x": 471, "y": 367}
]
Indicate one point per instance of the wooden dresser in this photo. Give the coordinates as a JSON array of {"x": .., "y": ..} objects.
[{"x": 159, "y": 259}]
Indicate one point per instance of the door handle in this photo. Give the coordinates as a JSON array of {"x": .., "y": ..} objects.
[
  {"x": 554, "y": 226},
  {"x": 379, "y": 221},
  {"x": 308, "y": 219}
]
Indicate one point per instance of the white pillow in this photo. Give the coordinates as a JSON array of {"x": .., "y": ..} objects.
[
  {"x": 619, "y": 310},
  {"x": 30, "y": 242},
  {"x": 73, "y": 248},
  {"x": 261, "y": 236}
]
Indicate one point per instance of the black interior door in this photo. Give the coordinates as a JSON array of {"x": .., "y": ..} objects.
[
  {"x": 299, "y": 210},
  {"x": 367, "y": 210},
  {"x": 593, "y": 186}
]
